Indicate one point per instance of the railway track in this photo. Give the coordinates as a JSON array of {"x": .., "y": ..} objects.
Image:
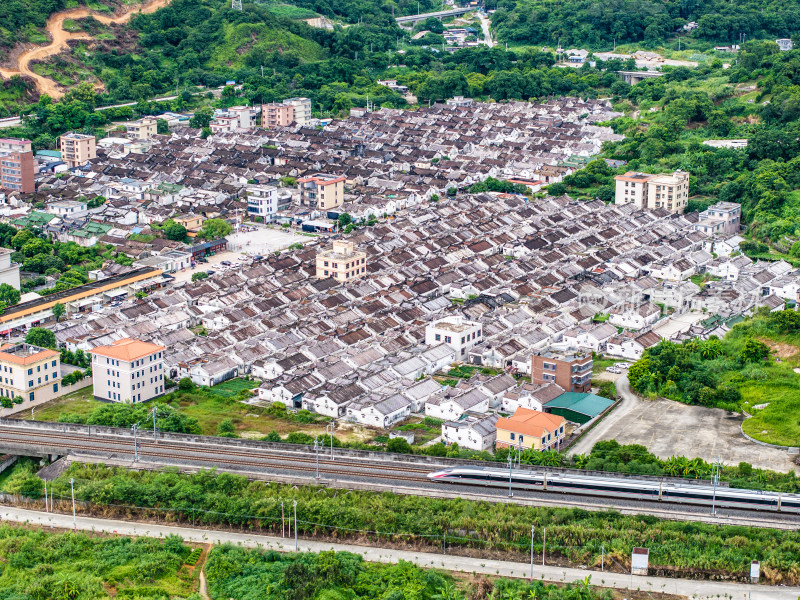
[{"x": 348, "y": 472}]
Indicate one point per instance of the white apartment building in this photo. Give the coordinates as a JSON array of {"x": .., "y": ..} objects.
[
  {"x": 128, "y": 371},
  {"x": 9, "y": 271},
  {"x": 458, "y": 333},
  {"x": 245, "y": 115},
  {"x": 631, "y": 188},
  {"x": 667, "y": 191},
  {"x": 722, "y": 218},
  {"x": 302, "y": 109},
  {"x": 262, "y": 201}
]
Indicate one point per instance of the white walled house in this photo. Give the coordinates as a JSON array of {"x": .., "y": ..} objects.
[
  {"x": 383, "y": 414},
  {"x": 454, "y": 407},
  {"x": 637, "y": 317},
  {"x": 473, "y": 433},
  {"x": 458, "y": 333}
]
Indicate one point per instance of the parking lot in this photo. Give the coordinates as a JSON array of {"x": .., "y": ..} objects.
[{"x": 667, "y": 428}]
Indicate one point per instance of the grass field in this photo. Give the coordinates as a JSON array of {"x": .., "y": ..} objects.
[{"x": 210, "y": 408}]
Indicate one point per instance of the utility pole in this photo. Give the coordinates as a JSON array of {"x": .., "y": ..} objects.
[
  {"x": 72, "y": 489},
  {"x": 602, "y": 557},
  {"x": 316, "y": 451},
  {"x": 135, "y": 444},
  {"x": 510, "y": 467},
  {"x": 283, "y": 526},
  {"x": 295, "y": 525},
  {"x": 532, "y": 530},
  {"x": 715, "y": 480},
  {"x": 46, "y": 509},
  {"x": 331, "y": 425},
  {"x": 33, "y": 418},
  {"x": 154, "y": 424}
]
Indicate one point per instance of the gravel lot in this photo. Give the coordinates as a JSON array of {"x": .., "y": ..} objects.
[{"x": 667, "y": 428}]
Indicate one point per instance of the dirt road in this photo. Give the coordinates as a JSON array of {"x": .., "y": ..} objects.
[{"x": 59, "y": 38}]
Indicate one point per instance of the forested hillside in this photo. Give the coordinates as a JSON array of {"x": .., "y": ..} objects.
[{"x": 598, "y": 23}]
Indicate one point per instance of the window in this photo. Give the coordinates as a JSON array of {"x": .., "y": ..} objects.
[
  {"x": 30, "y": 371},
  {"x": 513, "y": 436},
  {"x": 438, "y": 337},
  {"x": 30, "y": 397},
  {"x": 55, "y": 387},
  {"x": 30, "y": 383}
]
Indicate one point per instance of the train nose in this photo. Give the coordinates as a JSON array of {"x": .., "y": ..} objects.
[{"x": 436, "y": 475}]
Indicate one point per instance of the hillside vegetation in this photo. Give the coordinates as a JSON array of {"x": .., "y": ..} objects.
[
  {"x": 76, "y": 566},
  {"x": 599, "y": 23}
]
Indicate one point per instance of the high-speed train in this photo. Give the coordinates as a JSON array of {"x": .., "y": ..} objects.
[{"x": 611, "y": 487}]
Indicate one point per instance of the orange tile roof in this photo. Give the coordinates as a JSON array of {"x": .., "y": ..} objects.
[
  {"x": 127, "y": 349},
  {"x": 27, "y": 359},
  {"x": 530, "y": 422}
]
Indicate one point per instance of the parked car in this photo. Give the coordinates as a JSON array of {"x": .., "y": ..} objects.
[
  {"x": 623, "y": 365},
  {"x": 227, "y": 263},
  {"x": 210, "y": 273},
  {"x": 613, "y": 369}
]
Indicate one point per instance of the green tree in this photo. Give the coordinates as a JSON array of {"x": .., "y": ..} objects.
[
  {"x": 39, "y": 336},
  {"x": 754, "y": 351},
  {"x": 344, "y": 220},
  {"x": 58, "y": 311},
  {"x": 162, "y": 127},
  {"x": 213, "y": 229},
  {"x": 199, "y": 276},
  {"x": 9, "y": 294},
  {"x": 175, "y": 231},
  {"x": 186, "y": 384}
]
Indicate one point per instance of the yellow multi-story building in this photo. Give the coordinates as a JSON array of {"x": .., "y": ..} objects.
[
  {"x": 342, "y": 262},
  {"x": 77, "y": 149},
  {"x": 29, "y": 372}
]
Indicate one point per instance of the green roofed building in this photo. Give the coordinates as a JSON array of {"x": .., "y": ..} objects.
[
  {"x": 33, "y": 219},
  {"x": 578, "y": 407}
]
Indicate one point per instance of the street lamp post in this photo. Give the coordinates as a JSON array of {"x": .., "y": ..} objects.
[
  {"x": 532, "y": 530},
  {"x": 295, "y": 524},
  {"x": 72, "y": 489}
]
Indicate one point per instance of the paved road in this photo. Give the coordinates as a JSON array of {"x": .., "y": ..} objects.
[
  {"x": 438, "y": 14},
  {"x": 628, "y": 402},
  {"x": 694, "y": 589},
  {"x": 486, "y": 25},
  {"x": 10, "y": 122}
]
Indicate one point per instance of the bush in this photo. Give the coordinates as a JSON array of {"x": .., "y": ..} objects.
[
  {"x": 398, "y": 445},
  {"x": 226, "y": 428},
  {"x": 186, "y": 384}
]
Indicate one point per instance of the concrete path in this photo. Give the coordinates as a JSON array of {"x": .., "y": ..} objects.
[
  {"x": 628, "y": 402},
  {"x": 684, "y": 587}
]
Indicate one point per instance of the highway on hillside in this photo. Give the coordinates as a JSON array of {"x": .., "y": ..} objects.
[{"x": 298, "y": 464}]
